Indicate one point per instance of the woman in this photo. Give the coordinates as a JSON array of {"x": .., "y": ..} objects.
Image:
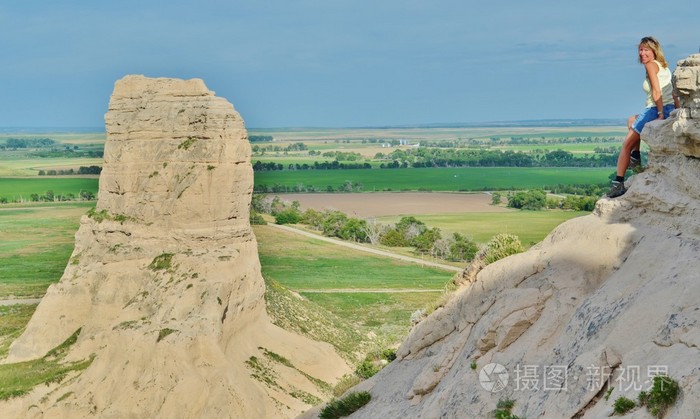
[{"x": 660, "y": 102}]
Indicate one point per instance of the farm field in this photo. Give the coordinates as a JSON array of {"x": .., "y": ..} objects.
[
  {"x": 433, "y": 179},
  {"x": 377, "y": 204},
  {"x": 26, "y": 166},
  {"x": 470, "y": 214},
  {"x": 436, "y": 179},
  {"x": 13, "y": 188}
]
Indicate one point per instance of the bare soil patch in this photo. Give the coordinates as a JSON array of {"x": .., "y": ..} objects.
[{"x": 378, "y": 204}]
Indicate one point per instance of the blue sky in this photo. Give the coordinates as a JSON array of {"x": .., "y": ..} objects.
[{"x": 340, "y": 63}]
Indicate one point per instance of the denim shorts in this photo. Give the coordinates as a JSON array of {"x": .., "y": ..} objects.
[{"x": 648, "y": 115}]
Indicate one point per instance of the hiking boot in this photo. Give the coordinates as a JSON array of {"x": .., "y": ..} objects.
[
  {"x": 616, "y": 189},
  {"x": 636, "y": 165}
]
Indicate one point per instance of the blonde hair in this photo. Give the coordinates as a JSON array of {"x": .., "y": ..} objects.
[{"x": 654, "y": 45}]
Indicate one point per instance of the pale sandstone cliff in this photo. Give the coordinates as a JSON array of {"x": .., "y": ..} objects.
[
  {"x": 165, "y": 282},
  {"x": 617, "y": 291}
]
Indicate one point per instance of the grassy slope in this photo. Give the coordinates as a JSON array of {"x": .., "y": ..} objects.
[
  {"x": 302, "y": 263},
  {"x": 37, "y": 242}
]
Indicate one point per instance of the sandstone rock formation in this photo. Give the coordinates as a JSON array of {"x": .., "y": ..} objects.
[
  {"x": 606, "y": 300},
  {"x": 164, "y": 283}
]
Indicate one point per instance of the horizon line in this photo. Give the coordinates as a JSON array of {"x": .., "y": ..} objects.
[{"x": 552, "y": 122}]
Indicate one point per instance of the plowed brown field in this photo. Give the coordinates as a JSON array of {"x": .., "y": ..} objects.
[{"x": 396, "y": 203}]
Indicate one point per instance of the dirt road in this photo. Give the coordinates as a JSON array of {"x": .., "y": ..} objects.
[
  {"x": 368, "y": 249},
  {"x": 11, "y": 302}
]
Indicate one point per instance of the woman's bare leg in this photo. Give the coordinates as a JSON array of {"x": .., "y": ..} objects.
[
  {"x": 630, "y": 121},
  {"x": 631, "y": 140}
]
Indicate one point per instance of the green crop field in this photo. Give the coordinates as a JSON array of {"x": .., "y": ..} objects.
[
  {"x": 14, "y": 188},
  {"x": 437, "y": 179}
]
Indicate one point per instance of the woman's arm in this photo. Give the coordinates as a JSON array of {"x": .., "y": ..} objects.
[{"x": 653, "y": 76}]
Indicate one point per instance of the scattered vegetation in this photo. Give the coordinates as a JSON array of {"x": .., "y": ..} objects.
[
  {"x": 661, "y": 396},
  {"x": 286, "y": 310},
  {"x": 347, "y": 382},
  {"x": 19, "y": 378},
  {"x": 257, "y": 218},
  {"x": 338, "y": 408},
  {"x": 163, "y": 333},
  {"x": 100, "y": 216},
  {"x": 504, "y": 408},
  {"x": 262, "y": 372},
  {"x": 608, "y": 393},
  {"x": 189, "y": 142},
  {"x": 162, "y": 262},
  {"x": 374, "y": 362},
  {"x": 501, "y": 246},
  {"x": 623, "y": 405}
]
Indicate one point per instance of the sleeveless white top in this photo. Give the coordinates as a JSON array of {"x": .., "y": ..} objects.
[{"x": 665, "y": 85}]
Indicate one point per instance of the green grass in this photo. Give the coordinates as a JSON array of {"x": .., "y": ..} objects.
[
  {"x": 530, "y": 226},
  {"x": 14, "y": 188},
  {"x": 374, "y": 309},
  {"x": 19, "y": 378},
  {"x": 301, "y": 263},
  {"x": 304, "y": 263},
  {"x": 437, "y": 179},
  {"x": 12, "y": 321},
  {"x": 338, "y": 408},
  {"x": 37, "y": 242}
]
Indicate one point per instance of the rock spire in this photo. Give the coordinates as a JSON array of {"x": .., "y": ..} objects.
[{"x": 164, "y": 283}]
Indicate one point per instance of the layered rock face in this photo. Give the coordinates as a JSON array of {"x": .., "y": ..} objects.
[
  {"x": 606, "y": 300},
  {"x": 164, "y": 283}
]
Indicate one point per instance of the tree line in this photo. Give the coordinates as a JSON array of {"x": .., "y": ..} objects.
[
  {"x": 50, "y": 196},
  {"x": 15, "y": 143},
  {"x": 407, "y": 232},
  {"x": 326, "y": 165},
  {"x": 435, "y": 157},
  {"x": 82, "y": 170},
  {"x": 536, "y": 199}
]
